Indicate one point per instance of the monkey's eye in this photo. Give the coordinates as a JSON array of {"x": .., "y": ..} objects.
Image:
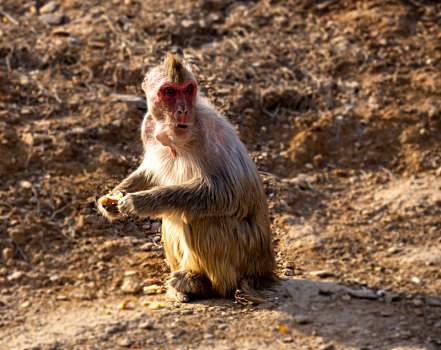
[
  {"x": 170, "y": 91},
  {"x": 189, "y": 89}
]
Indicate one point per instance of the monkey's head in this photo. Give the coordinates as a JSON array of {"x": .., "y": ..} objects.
[{"x": 171, "y": 91}]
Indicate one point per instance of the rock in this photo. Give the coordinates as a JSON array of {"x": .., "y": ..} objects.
[
  {"x": 288, "y": 272},
  {"x": 18, "y": 235},
  {"x": 433, "y": 302},
  {"x": 321, "y": 273},
  {"x": 318, "y": 160},
  {"x": 15, "y": 276},
  {"x": 156, "y": 225},
  {"x": 124, "y": 342},
  {"x": 416, "y": 280},
  {"x": 131, "y": 287},
  {"x": 146, "y": 325},
  {"x": 302, "y": 319},
  {"x": 289, "y": 265},
  {"x": 53, "y": 19},
  {"x": 8, "y": 253},
  {"x": 147, "y": 247},
  {"x": 327, "y": 347},
  {"x": 219, "y": 320},
  {"x": 418, "y": 302},
  {"x": 438, "y": 324},
  {"x": 222, "y": 326},
  {"x": 25, "y": 184},
  {"x": 50, "y": 7},
  {"x": 363, "y": 294},
  {"x": 288, "y": 340}
]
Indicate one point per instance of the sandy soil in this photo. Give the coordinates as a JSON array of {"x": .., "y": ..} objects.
[{"x": 338, "y": 103}]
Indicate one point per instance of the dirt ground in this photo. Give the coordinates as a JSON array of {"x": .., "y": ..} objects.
[{"x": 338, "y": 103}]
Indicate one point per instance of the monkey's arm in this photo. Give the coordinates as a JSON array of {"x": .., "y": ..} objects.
[
  {"x": 136, "y": 181},
  {"x": 197, "y": 198}
]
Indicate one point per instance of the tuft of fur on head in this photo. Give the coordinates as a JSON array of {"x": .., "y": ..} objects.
[{"x": 174, "y": 69}]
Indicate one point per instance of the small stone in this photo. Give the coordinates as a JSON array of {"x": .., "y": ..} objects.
[
  {"x": 53, "y": 18},
  {"x": 147, "y": 247},
  {"x": 321, "y": 273},
  {"x": 25, "y": 184},
  {"x": 18, "y": 235},
  {"x": 433, "y": 302},
  {"x": 288, "y": 272},
  {"x": 15, "y": 276},
  {"x": 288, "y": 340},
  {"x": 219, "y": 320},
  {"x": 438, "y": 171},
  {"x": 8, "y": 253},
  {"x": 156, "y": 225},
  {"x": 416, "y": 280},
  {"x": 418, "y": 302},
  {"x": 363, "y": 294},
  {"x": 302, "y": 319},
  {"x": 26, "y": 304},
  {"x": 222, "y": 326},
  {"x": 124, "y": 342},
  {"x": 386, "y": 314},
  {"x": 50, "y": 7},
  {"x": 289, "y": 265},
  {"x": 131, "y": 287},
  {"x": 327, "y": 347},
  {"x": 318, "y": 160},
  {"x": 393, "y": 250},
  {"x": 146, "y": 325},
  {"x": 438, "y": 324}
]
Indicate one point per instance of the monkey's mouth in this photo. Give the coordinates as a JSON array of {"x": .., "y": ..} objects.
[{"x": 181, "y": 126}]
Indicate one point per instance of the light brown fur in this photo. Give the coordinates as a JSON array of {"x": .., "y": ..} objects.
[{"x": 216, "y": 229}]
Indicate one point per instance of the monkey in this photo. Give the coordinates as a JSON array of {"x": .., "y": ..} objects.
[{"x": 198, "y": 177}]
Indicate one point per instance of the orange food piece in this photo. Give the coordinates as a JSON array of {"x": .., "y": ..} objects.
[
  {"x": 282, "y": 328},
  {"x": 114, "y": 198}
]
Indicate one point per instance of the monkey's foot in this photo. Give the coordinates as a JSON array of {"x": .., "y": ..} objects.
[
  {"x": 178, "y": 296},
  {"x": 184, "y": 284}
]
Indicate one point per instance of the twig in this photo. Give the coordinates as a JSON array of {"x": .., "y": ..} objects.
[{"x": 10, "y": 18}]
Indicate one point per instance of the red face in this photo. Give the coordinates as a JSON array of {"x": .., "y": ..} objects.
[{"x": 177, "y": 103}]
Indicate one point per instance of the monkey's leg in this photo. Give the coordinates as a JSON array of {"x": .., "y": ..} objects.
[{"x": 186, "y": 284}]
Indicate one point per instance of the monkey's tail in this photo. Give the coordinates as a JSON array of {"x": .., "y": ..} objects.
[{"x": 246, "y": 295}]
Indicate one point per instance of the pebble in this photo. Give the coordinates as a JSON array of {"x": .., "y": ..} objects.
[
  {"x": 433, "y": 302},
  {"x": 147, "y": 247},
  {"x": 8, "y": 253},
  {"x": 15, "y": 276},
  {"x": 438, "y": 324},
  {"x": 146, "y": 325},
  {"x": 418, "y": 302},
  {"x": 363, "y": 294},
  {"x": 289, "y": 265},
  {"x": 25, "y": 184},
  {"x": 416, "y": 280},
  {"x": 52, "y": 18},
  {"x": 131, "y": 287},
  {"x": 125, "y": 342},
  {"x": 222, "y": 326},
  {"x": 302, "y": 319},
  {"x": 156, "y": 225},
  {"x": 50, "y": 7},
  {"x": 288, "y": 340},
  {"x": 288, "y": 272},
  {"x": 18, "y": 235},
  {"x": 321, "y": 273}
]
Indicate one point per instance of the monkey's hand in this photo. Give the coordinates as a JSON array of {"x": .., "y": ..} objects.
[
  {"x": 127, "y": 206},
  {"x": 108, "y": 206}
]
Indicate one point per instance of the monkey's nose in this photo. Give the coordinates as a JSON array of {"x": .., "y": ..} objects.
[{"x": 182, "y": 111}]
